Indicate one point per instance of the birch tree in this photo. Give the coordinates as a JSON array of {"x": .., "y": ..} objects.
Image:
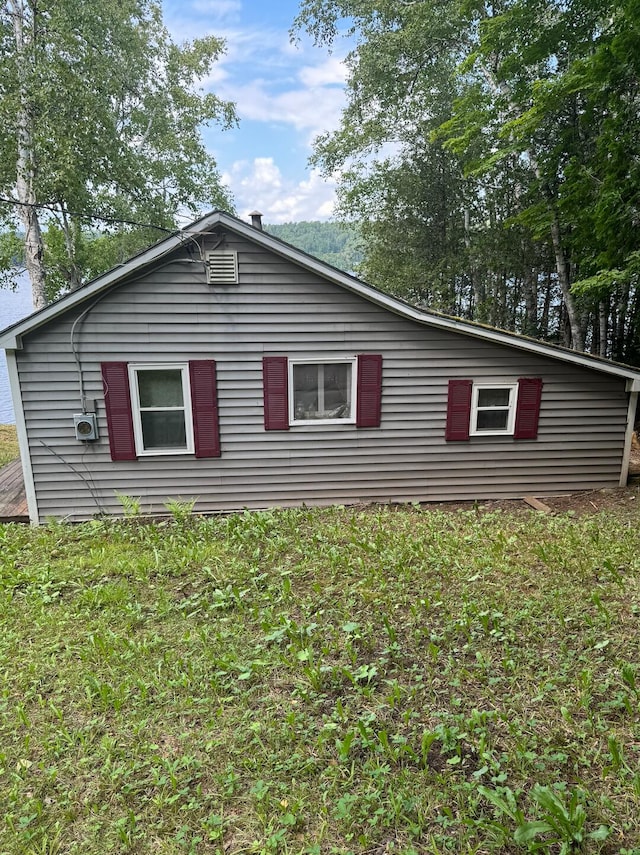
[
  {"x": 536, "y": 103},
  {"x": 100, "y": 129}
]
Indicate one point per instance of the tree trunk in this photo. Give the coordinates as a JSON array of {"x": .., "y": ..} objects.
[
  {"x": 74, "y": 277},
  {"x": 546, "y": 308},
  {"x": 26, "y": 163},
  {"x": 620, "y": 328},
  {"x": 530, "y": 288},
  {"x": 478, "y": 291},
  {"x": 564, "y": 327},
  {"x": 576, "y": 323},
  {"x": 603, "y": 312},
  {"x": 630, "y": 354}
]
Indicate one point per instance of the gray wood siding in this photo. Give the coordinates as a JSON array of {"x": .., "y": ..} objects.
[{"x": 280, "y": 309}]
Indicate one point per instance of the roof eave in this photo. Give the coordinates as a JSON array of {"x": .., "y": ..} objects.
[
  {"x": 426, "y": 318},
  {"x": 11, "y": 340}
]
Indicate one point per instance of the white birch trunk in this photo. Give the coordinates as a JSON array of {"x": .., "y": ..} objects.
[
  {"x": 576, "y": 323},
  {"x": 25, "y": 162}
]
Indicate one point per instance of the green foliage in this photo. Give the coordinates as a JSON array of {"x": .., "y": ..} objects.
[
  {"x": 108, "y": 111},
  {"x": 561, "y": 822},
  {"x": 327, "y": 680},
  {"x": 338, "y": 244},
  {"x": 8, "y": 444},
  {"x": 11, "y": 257},
  {"x": 131, "y": 505},
  {"x": 493, "y": 150}
]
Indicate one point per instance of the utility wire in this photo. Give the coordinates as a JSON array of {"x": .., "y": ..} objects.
[
  {"x": 47, "y": 206},
  {"x": 88, "y": 482}
]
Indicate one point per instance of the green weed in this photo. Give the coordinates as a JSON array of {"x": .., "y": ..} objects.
[{"x": 305, "y": 681}]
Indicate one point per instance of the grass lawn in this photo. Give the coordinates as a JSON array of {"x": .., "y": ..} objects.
[
  {"x": 322, "y": 681},
  {"x": 8, "y": 444}
]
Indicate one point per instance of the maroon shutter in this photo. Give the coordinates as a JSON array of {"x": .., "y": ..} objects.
[
  {"x": 369, "y": 390},
  {"x": 204, "y": 406},
  {"x": 117, "y": 400},
  {"x": 458, "y": 410},
  {"x": 528, "y": 408},
  {"x": 275, "y": 376}
]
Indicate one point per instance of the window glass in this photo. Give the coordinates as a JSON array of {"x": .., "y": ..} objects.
[
  {"x": 337, "y": 388},
  {"x": 493, "y": 397},
  {"x": 160, "y": 387},
  {"x": 322, "y": 391},
  {"x": 492, "y": 419},
  {"x": 163, "y": 429},
  {"x": 305, "y": 391}
]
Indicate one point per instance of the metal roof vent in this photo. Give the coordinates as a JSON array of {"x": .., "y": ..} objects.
[
  {"x": 222, "y": 267},
  {"x": 256, "y": 220}
]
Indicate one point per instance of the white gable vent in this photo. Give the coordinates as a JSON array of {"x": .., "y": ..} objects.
[{"x": 222, "y": 268}]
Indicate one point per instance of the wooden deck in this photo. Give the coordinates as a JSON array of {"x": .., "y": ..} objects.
[{"x": 13, "y": 499}]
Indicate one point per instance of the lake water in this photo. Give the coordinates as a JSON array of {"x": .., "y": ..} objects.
[{"x": 14, "y": 305}]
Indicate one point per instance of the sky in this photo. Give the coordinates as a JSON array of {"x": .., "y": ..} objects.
[{"x": 285, "y": 95}]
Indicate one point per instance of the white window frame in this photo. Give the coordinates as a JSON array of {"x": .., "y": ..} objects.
[
  {"x": 510, "y": 408},
  {"x": 183, "y": 367},
  {"x": 350, "y": 360}
]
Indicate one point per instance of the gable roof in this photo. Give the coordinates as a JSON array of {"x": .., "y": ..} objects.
[{"x": 10, "y": 338}]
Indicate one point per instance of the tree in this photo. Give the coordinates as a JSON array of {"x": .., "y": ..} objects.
[
  {"x": 336, "y": 243},
  {"x": 500, "y": 144},
  {"x": 100, "y": 126}
]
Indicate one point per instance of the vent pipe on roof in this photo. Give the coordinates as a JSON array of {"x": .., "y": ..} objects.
[{"x": 256, "y": 219}]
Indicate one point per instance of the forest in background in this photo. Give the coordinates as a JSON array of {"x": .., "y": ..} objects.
[
  {"x": 488, "y": 154},
  {"x": 491, "y": 154},
  {"x": 339, "y": 244}
]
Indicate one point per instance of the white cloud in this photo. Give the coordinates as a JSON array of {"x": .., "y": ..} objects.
[
  {"x": 268, "y": 78},
  {"x": 309, "y": 111},
  {"x": 192, "y": 20},
  {"x": 222, "y": 8},
  {"x": 285, "y": 93},
  {"x": 332, "y": 71},
  {"x": 259, "y": 184}
]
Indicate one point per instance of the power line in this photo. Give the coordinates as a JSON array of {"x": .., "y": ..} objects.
[{"x": 115, "y": 220}]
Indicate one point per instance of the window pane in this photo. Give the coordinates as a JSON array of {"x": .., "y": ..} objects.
[
  {"x": 160, "y": 387},
  {"x": 492, "y": 419},
  {"x": 305, "y": 391},
  {"x": 163, "y": 429},
  {"x": 337, "y": 391},
  {"x": 493, "y": 397},
  {"x": 322, "y": 391}
]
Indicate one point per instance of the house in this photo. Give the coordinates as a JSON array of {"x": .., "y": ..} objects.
[{"x": 226, "y": 366}]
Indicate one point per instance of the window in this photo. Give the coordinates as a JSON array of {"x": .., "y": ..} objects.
[
  {"x": 493, "y": 409},
  {"x": 321, "y": 392},
  {"x": 161, "y": 407}
]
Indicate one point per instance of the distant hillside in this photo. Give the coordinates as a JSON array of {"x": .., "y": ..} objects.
[{"x": 336, "y": 243}]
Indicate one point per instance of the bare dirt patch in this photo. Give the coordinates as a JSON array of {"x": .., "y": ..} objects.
[{"x": 622, "y": 500}]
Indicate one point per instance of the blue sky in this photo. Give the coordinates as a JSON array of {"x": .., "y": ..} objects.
[{"x": 285, "y": 95}]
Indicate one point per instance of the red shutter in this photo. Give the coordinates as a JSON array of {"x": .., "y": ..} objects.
[
  {"x": 528, "y": 408},
  {"x": 458, "y": 410},
  {"x": 117, "y": 400},
  {"x": 369, "y": 390},
  {"x": 275, "y": 376},
  {"x": 204, "y": 406}
]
